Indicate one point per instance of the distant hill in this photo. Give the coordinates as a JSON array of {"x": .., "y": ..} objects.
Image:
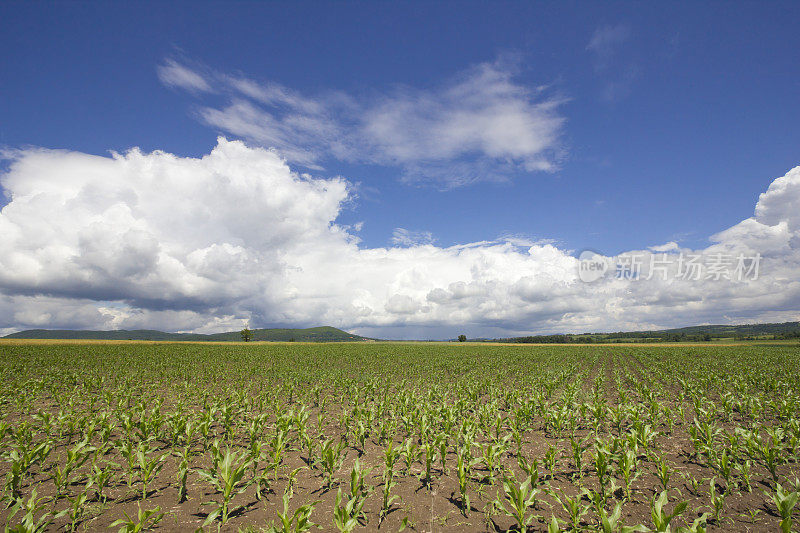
[
  {"x": 745, "y": 329},
  {"x": 321, "y": 334},
  {"x": 774, "y": 331}
]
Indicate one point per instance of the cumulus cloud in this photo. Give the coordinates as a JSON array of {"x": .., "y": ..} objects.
[
  {"x": 235, "y": 237},
  {"x": 482, "y": 125}
]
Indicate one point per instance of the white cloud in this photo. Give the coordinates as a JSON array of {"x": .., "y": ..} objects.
[
  {"x": 160, "y": 241},
  {"x": 605, "y": 42},
  {"x": 482, "y": 125},
  {"x": 671, "y": 246},
  {"x": 617, "y": 74},
  {"x": 404, "y": 237},
  {"x": 174, "y": 74},
  {"x": 483, "y": 112}
]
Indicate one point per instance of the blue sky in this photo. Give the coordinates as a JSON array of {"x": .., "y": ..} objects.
[{"x": 650, "y": 123}]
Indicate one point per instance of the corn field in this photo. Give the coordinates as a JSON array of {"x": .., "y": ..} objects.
[{"x": 389, "y": 437}]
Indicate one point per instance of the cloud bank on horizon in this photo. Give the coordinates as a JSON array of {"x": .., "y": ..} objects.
[{"x": 154, "y": 240}]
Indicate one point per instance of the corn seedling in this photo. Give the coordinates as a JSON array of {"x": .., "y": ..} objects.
[
  {"x": 717, "y": 500},
  {"x": 602, "y": 465},
  {"x": 785, "y": 502},
  {"x": 662, "y": 519},
  {"x": 227, "y": 477},
  {"x": 744, "y": 475},
  {"x": 612, "y": 523},
  {"x": 145, "y": 519},
  {"x": 358, "y": 489},
  {"x": 627, "y": 467},
  {"x": 292, "y": 481},
  {"x": 492, "y": 454},
  {"x": 429, "y": 453},
  {"x": 578, "y": 447},
  {"x": 663, "y": 471},
  {"x": 390, "y": 459},
  {"x": 331, "y": 458},
  {"x": 149, "y": 467},
  {"x": 75, "y": 511},
  {"x": 346, "y": 516},
  {"x": 297, "y": 522},
  {"x": 99, "y": 478},
  {"x": 517, "y": 500},
  {"x": 277, "y": 448},
  {"x": 573, "y": 506},
  {"x": 183, "y": 474},
  {"x": 550, "y": 459},
  {"x": 29, "y": 509},
  {"x": 698, "y": 525},
  {"x": 411, "y": 453},
  {"x": 76, "y": 457}
]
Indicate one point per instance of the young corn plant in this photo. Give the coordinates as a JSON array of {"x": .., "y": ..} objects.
[
  {"x": 76, "y": 511},
  {"x": 128, "y": 452},
  {"x": 723, "y": 464},
  {"x": 76, "y": 457},
  {"x": 331, "y": 458},
  {"x": 530, "y": 468},
  {"x": 573, "y": 506},
  {"x": 277, "y": 445},
  {"x": 100, "y": 478},
  {"x": 518, "y": 500},
  {"x": 256, "y": 451},
  {"x": 391, "y": 455},
  {"x": 663, "y": 471},
  {"x": 310, "y": 443},
  {"x": 362, "y": 432},
  {"x": 297, "y": 522},
  {"x": 29, "y": 509},
  {"x": 21, "y": 459},
  {"x": 744, "y": 475},
  {"x": 771, "y": 458},
  {"x": 492, "y": 454},
  {"x": 387, "y": 429},
  {"x": 358, "y": 488},
  {"x": 347, "y": 516},
  {"x": 602, "y": 465},
  {"x": 578, "y": 447},
  {"x": 149, "y": 467},
  {"x": 645, "y": 435},
  {"x": 182, "y": 474},
  {"x": 785, "y": 502},
  {"x": 550, "y": 459},
  {"x": 145, "y": 519},
  {"x": 429, "y": 452},
  {"x": 442, "y": 445},
  {"x": 464, "y": 468},
  {"x": 291, "y": 481},
  {"x": 228, "y": 477},
  {"x": 717, "y": 500},
  {"x": 263, "y": 483},
  {"x": 16, "y": 475},
  {"x": 627, "y": 467},
  {"x": 662, "y": 519},
  {"x": 554, "y": 525},
  {"x": 411, "y": 453},
  {"x": 611, "y": 523}
]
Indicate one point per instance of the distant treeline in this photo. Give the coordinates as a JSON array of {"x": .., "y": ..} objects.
[{"x": 749, "y": 332}]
